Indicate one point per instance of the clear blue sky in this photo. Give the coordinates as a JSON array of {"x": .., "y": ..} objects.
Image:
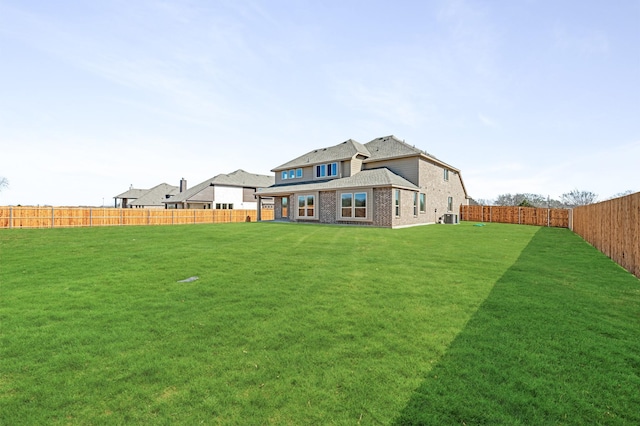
[{"x": 522, "y": 96}]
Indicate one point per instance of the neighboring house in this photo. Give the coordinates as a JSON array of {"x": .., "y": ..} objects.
[
  {"x": 385, "y": 183},
  {"x": 225, "y": 191},
  {"x": 145, "y": 198},
  {"x": 155, "y": 197}
]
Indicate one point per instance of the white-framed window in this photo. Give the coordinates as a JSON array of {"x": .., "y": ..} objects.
[
  {"x": 396, "y": 202},
  {"x": 292, "y": 174},
  {"x": 423, "y": 203},
  {"x": 285, "y": 175},
  {"x": 306, "y": 205},
  {"x": 353, "y": 205},
  {"x": 415, "y": 204},
  {"x": 450, "y": 204},
  {"x": 327, "y": 170},
  {"x": 224, "y": 206},
  {"x": 446, "y": 174},
  {"x": 346, "y": 205},
  {"x": 298, "y": 173}
]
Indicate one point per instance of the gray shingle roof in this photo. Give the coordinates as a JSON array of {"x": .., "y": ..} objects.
[
  {"x": 389, "y": 147},
  {"x": 238, "y": 178},
  {"x": 156, "y": 195},
  {"x": 367, "y": 178},
  {"x": 342, "y": 151},
  {"x": 132, "y": 193}
]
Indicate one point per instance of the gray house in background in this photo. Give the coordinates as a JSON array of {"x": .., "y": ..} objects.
[
  {"x": 234, "y": 190},
  {"x": 146, "y": 198},
  {"x": 385, "y": 183}
]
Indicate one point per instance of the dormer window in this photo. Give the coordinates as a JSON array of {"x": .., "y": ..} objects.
[{"x": 285, "y": 175}]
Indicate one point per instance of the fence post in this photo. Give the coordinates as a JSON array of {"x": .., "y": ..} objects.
[
  {"x": 548, "y": 217},
  {"x": 571, "y": 219},
  {"x": 52, "y": 216}
]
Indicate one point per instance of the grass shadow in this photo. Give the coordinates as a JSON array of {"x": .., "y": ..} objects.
[{"x": 556, "y": 342}]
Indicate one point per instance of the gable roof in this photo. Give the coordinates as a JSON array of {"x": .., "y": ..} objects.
[
  {"x": 238, "y": 178},
  {"x": 156, "y": 195},
  {"x": 381, "y": 177},
  {"x": 132, "y": 193},
  {"x": 388, "y": 147},
  {"x": 343, "y": 151}
]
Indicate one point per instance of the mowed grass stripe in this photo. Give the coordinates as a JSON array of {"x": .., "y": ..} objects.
[
  {"x": 556, "y": 342},
  {"x": 287, "y": 324}
]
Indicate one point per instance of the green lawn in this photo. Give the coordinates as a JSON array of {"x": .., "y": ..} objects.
[{"x": 304, "y": 324}]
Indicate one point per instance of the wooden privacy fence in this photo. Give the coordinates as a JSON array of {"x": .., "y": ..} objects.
[
  {"x": 558, "y": 218},
  {"x": 613, "y": 227},
  {"x": 69, "y": 217}
]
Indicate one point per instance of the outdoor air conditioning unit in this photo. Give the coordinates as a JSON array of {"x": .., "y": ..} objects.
[{"x": 450, "y": 218}]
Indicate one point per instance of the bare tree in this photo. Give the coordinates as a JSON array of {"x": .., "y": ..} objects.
[
  {"x": 523, "y": 200},
  {"x": 578, "y": 198},
  {"x": 4, "y": 183},
  {"x": 622, "y": 194}
]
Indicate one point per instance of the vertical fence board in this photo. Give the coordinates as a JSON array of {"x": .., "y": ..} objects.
[
  {"x": 558, "y": 218},
  {"x": 71, "y": 217},
  {"x": 613, "y": 227}
]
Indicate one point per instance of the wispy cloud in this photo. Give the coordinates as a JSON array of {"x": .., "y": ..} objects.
[
  {"x": 586, "y": 42},
  {"x": 487, "y": 121}
]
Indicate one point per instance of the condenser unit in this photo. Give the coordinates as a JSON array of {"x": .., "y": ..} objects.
[{"x": 450, "y": 218}]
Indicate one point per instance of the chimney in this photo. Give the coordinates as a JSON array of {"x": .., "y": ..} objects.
[{"x": 183, "y": 185}]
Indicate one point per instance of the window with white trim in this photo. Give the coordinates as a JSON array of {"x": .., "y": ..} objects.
[
  {"x": 396, "y": 202},
  {"x": 450, "y": 204},
  {"x": 292, "y": 174},
  {"x": 415, "y": 204},
  {"x": 298, "y": 173},
  {"x": 423, "y": 203},
  {"x": 285, "y": 174},
  {"x": 353, "y": 205},
  {"x": 306, "y": 205},
  {"x": 446, "y": 174},
  {"x": 327, "y": 170}
]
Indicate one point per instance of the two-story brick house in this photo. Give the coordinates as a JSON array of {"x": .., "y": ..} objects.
[{"x": 385, "y": 183}]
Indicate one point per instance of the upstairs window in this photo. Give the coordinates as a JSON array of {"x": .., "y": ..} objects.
[
  {"x": 446, "y": 174},
  {"x": 298, "y": 173},
  {"x": 292, "y": 174},
  {"x": 327, "y": 170},
  {"x": 285, "y": 175}
]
